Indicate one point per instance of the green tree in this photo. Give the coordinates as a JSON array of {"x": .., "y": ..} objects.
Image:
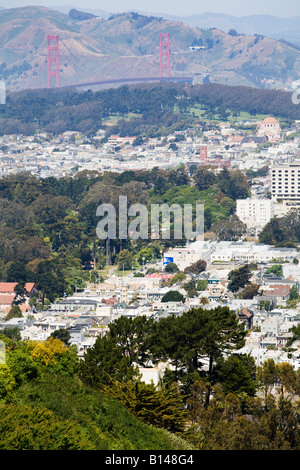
[
  {"x": 250, "y": 291},
  {"x": 190, "y": 288},
  {"x": 134, "y": 336},
  {"x": 275, "y": 269},
  {"x": 20, "y": 293},
  {"x": 233, "y": 183},
  {"x": 14, "y": 312},
  {"x": 239, "y": 278},
  {"x": 237, "y": 374},
  {"x": 267, "y": 375},
  {"x": 173, "y": 296},
  {"x": 196, "y": 268},
  {"x": 49, "y": 209},
  {"x": 55, "y": 355},
  {"x": 289, "y": 380},
  {"x": 105, "y": 361},
  {"x": 50, "y": 279},
  {"x": 202, "y": 285},
  {"x": 177, "y": 278},
  {"x": 125, "y": 259},
  {"x": 293, "y": 294},
  {"x": 161, "y": 407},
  {"x": 195, "y": 335},
  {"x": 274, "y": 232},
  {"x": 16, "y": 272},
  {"x": 12, "y": 332},
  {"x": 204, "y": 178},
  {"x": 230, "y": 229},
  {"x": 7, "y": 384},
  {"x": 171, "y": 268},
  {"x": 296, "y": 335},
  {"x": 62, "y": 334},
  {"x": 32, "y": 428},
  {"x": 22, "y": 366}
]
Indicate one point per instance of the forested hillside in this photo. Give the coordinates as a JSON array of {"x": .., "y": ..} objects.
[
  {"x": 48, "y": 226},
  {"x": 44, "y": 406},
  {"x": 156, "y": 109},
  {"x": 49, "y": 400}
]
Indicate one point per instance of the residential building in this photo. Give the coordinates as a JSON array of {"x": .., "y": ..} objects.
[
  {"x": 285, "y": 182},
  {"x": 8, "y": 294},
  {"x": 255, "y": 213}
]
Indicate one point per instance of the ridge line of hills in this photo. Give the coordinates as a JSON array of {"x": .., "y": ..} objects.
[
  {"x": 267, "y": 24},
  {"x": 127, "y": 45}
]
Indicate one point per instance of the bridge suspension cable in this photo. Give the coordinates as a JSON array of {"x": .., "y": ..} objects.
[
  {"x": 143, "y": 58},
  {"x": 82, "y": 66}
]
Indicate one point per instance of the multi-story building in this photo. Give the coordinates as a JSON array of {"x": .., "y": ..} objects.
[
  {"x": 255, "y": 213},
  {"x": 285, "y": 183}
]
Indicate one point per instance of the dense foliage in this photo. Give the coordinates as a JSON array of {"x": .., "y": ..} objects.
[
  {"x": 212, "y": 397},
  {"x": 159, "y": 108},
  {"x": 282, "y": 231},
  {"x": 48, "y": 226}
]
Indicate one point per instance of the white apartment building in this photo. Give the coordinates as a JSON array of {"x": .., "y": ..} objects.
[
  {"x": 255, "y": 213},
  {"x": 285, "y": 182},
  {"x": 184, "y": 257},
  {"x": 247, "y": 252},
  {"x": 228, "y": 251}
]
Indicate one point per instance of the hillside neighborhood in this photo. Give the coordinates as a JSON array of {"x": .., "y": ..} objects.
[
  {"x": 243, "y": 144},
  {"x": 267, "y": 314}
]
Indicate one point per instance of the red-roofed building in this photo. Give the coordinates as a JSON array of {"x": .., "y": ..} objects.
[
  {"x": 270, "y": 128},
  {"x": 277, "y": 293},
  {"x": 8, "y": 288},
  {"x": 7, "y": 296},
  {"x": 110, "y": 301},
  {"x": 164, "y": 277}
]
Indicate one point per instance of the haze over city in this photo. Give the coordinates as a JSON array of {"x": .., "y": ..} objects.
[{"x": 289, "y": 8}]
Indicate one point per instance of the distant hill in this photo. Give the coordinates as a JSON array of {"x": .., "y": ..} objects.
[
  {"x": 80, "y": 15},
  {"x": 268, "y": 25},
  {"x": 127, "y": 45},
  {"x": 156, "y": 110},
  {"x": 94, "y": 11}
]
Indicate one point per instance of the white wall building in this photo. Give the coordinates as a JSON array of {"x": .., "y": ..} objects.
[
  {"x": 255, "y": 213},
  {"x": 247, "y": 252},
  {"x": 285, "y": 182},
  {"x": 227, "y": 251},
  {"x": 190, "y": 254}
]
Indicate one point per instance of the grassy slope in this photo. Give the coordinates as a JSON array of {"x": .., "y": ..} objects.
[{"x": 106, "y": 423}]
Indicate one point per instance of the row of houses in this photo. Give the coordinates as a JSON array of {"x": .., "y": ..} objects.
[
  {"x": 87, "y": 315},
  {"x": 227, "y": 251}
]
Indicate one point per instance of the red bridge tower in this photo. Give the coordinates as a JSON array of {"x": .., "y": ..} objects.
[
  {"x": 52, "y": 58},
  {"x": 164, "y": 57}
]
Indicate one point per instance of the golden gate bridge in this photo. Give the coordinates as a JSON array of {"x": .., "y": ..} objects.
[{"x": 163, "y": 73}]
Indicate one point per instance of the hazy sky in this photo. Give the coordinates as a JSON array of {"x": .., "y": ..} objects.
[{"x": 286, "y": 8}]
